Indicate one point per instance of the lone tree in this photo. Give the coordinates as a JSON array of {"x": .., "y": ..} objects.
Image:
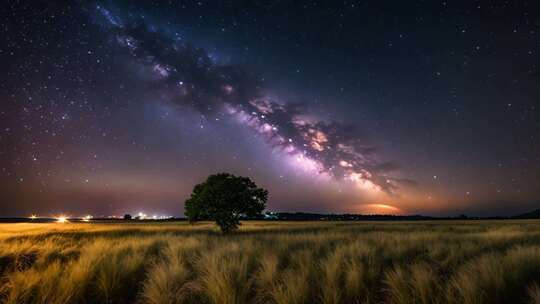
[{"x": 224, "y": 198}]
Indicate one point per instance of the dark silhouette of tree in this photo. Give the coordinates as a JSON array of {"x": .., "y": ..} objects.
[
  {"x": 225, "y": 198},
  {"x": 127, "y": 216}
]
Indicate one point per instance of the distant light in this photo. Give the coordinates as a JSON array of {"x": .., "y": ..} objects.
[
  {"x": 61, "y": 219},
  {"x": 33, "y": 217},
  {"x": 87, "y": 218},
  {"x": 380, "y": 209}
]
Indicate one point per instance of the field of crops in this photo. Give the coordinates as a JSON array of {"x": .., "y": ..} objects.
[{"x": 272, "y": 262}]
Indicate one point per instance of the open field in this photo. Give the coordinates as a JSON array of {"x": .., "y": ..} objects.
[{"x": 272, "y": 262}]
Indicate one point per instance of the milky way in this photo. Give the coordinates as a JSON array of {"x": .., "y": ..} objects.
[
  {"x": 118, "y": 106},
  {"x": 186, "y": 75}
]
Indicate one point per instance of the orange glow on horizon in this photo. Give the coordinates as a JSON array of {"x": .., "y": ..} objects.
[{"x": 379, "y": 209}]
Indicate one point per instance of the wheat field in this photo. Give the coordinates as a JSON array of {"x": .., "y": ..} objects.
[{"x": 272, "y": 262}]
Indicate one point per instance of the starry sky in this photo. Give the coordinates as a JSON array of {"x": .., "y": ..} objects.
[{"x": 423, "y": 107}]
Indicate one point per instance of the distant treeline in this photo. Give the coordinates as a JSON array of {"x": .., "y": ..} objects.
[{"x": 305, "y": 216}]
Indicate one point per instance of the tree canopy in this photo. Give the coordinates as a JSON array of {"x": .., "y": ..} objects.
[{"x": 225, "y": 198}]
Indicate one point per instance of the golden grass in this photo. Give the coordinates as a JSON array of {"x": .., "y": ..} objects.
[{"x": 272, "y": 262}]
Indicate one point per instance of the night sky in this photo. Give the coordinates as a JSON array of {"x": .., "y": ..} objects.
[{"x": 406, "y": 107}]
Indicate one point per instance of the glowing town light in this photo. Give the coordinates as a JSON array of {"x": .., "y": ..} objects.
[
  {"x": 380, "y": 209},
  {"x": 87, "y": 218},
  {"x": 61, "y": 219},
  {"x": 384, "y": 206},
  {"x": 33, "y": 217}
]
